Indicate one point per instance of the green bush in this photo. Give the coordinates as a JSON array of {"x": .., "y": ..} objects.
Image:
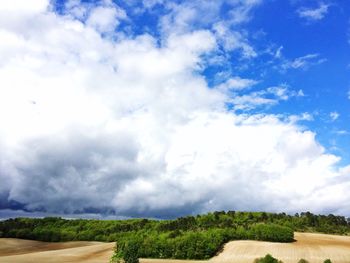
[
  {"x": 267, "y": 259},
  {"x": 131, "y": 252},
  {"x": 272, "y": 232}
]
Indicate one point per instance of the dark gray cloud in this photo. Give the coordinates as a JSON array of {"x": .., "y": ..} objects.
[{"x": 70, "y": 173}]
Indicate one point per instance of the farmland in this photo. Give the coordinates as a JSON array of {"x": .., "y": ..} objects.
[
  {"x": 198, "y": 237},
  {"x": 20, "y": 251},
  {"x": 313, "y": 247}
]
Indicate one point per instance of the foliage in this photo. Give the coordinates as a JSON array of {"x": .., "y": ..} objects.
[
  {"x": 267, "y": 259},
  {"x": 272, "y": 232},
  {"x": 131, "y": 252},
  {"x": 270, "y": 259}
]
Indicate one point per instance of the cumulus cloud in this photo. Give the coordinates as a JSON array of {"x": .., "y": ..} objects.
[
  {"x": 314, "y": 14},
  {"x": 188, "y": 15},
  {"x": 24, "y": 7},
  {"x": 185, "y": 16},
  {"x": 130, "y": 127},
  {"x": 103, "y": 17}
]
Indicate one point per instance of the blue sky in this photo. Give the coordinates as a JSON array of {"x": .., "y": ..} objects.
[
  {"x": 272, "y": 26},
  {"x": 165, "y": 108}
]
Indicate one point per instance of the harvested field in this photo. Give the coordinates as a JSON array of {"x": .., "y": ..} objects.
[
  {"x": 313, "y": 247},
  {"x": 28, "y": 251}
]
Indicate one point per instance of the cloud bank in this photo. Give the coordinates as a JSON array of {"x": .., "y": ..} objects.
[{"x": 94, "y": 120}]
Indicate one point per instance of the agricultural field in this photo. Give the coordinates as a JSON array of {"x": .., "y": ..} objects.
[
  {"x": 26, "y": 251},
  {"x": 313, "y": 247}
]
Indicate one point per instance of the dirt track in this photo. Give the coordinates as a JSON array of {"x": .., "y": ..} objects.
[{"x": 313, "y": 247}]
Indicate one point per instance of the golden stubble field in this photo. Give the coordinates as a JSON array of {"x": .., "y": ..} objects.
[
  {"x": 20, "y": 251},
  {"x": 313, "y": 247}
]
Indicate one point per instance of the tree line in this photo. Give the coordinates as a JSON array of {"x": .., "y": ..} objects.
[{"x": 191, "y": 237}]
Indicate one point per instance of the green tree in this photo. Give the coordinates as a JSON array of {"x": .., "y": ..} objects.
[{"x": 131, "y": 252}]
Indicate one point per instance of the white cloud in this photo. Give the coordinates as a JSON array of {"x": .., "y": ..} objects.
[
  {"x": 23, "y": 6},
  {"x": 104, "y": 17},
  {"x": 189, "y": 15},
  {"x": 341, "y": 132},
  {"x": 279, "y": 92},
  {"x": 186, "y": 15},
  {"x": 233, "y": 40},
  {"x": 303, "y": 62},
  {"x": 284, "y": 93},
  {"x": 314, "y": 14},
  {"x": 301, "y": 117},
  {"x": 278, "y": 53},
  {"x": 151, "y": 3},
  {"x": 241, "y": 10},
  {"x": 76, "y": 9},
  {"x": 334, "y": 115},
  {"x": 132, "y": 126},
  {"x": 251, "y": 101},
  {"x": 266, "y": 97},
  {"x": 236, "y": 83}
]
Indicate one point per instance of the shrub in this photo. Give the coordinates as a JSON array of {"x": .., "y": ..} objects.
[
  {"x": 131, "y": 252},
  {"x": 303, "y": 261},
  {"x": 267, "y": 259}
]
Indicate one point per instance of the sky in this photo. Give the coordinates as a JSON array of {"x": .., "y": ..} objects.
[{"x": 160, "y": 109}]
